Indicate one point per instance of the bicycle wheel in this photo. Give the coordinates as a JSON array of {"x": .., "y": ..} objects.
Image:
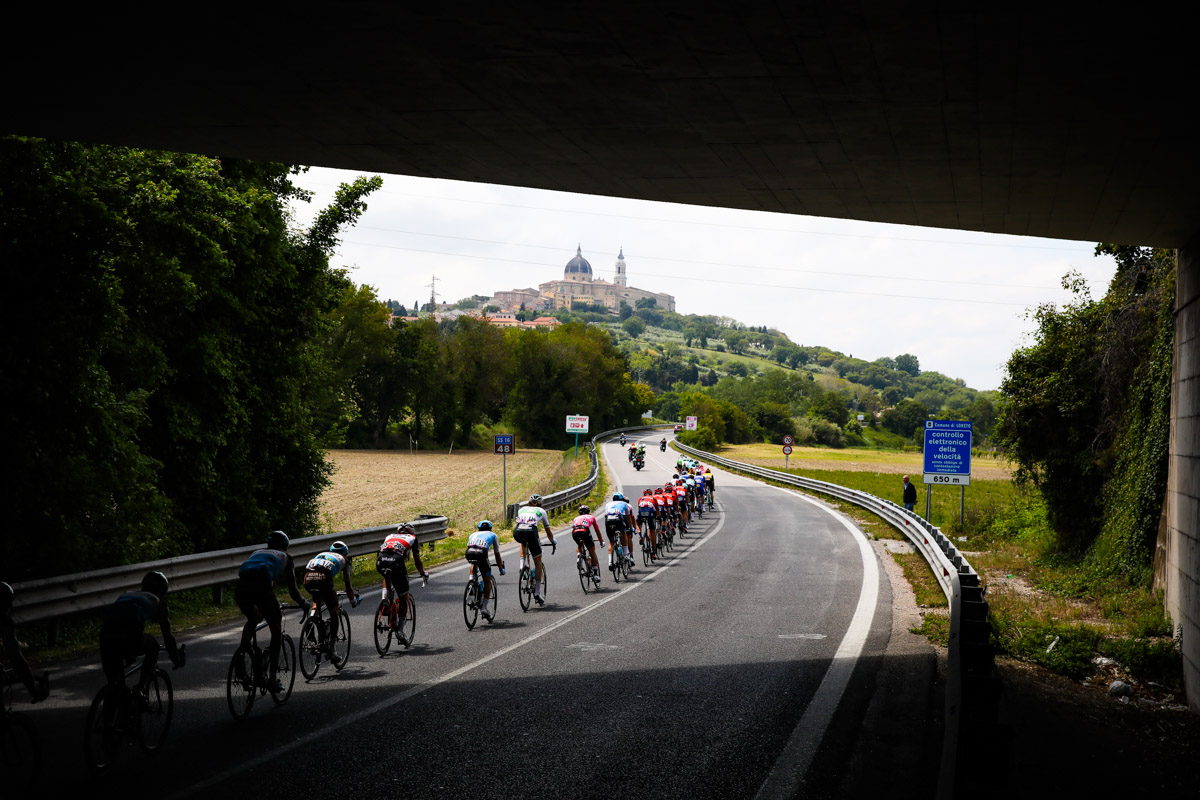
[
  {"x": 154, "y": 715},
  {"x": 542, "y": 580},
  {"x": 383, "y": 627},
  {"x": 585, "y": 571},
  {"x": 471, "y": 603},
  {"x": 101, "y": 740},
  {"x": 239, "y": 684},
  {"x": 341, "y": 643},
  {"x": 20, "y": 754},
  {"x": 525, "y": 588},
  {"x": 286, "y": 671},
  {"x": 310, "y": 649},
  {"x": 625, "y": 567},
  {"x": 646, "y": 550},
  {"x": 409, "y": 629},
  {"x": 614, "y": 567}
]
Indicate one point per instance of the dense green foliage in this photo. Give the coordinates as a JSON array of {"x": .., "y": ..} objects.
[
  {"x": 445, "y": 383},
  {"x": 1087, "y": 413},
  {"x": 159, "y": 367}
]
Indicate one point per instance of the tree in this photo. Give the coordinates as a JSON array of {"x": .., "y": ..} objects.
[
  {"x": 624, "y": 312},
  {"x": 906, "y": 418},
  {"x": 831, "y": 406},
  {"x": 646, "y": 302},
  {"x": 166, "y": 405},
  {"x": 907, "y": 362},
  {"x": 634, "y": 326}
]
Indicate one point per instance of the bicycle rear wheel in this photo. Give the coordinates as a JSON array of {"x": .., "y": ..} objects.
[
  {"x": 239, "y": 683},
  {"x": 101, "y": 741},
  {"x": 625, "y": 566},
  {"x": 341, "y": 642},
  {"x": 409, "y": 629},
  {"x": 154, "y": 716},
  {"x": 286, "y": 671},
  {"x": 525, "y": 588},
  {"x": 383, "y": 627},
  {"x": 471, "y": 603},
  {"x": 614, "y": 567},
  {"x": 310, "y": 649},
  {"x": 585, "y": 571},
  {"x": 492, "y": 601},
  {"x": 646, "y": 550}
]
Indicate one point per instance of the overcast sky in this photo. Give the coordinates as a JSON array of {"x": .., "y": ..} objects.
[{"x": 957, "y": 300}]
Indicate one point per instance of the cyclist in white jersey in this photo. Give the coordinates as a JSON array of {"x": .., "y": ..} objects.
[{"x": 525, "y": 531}]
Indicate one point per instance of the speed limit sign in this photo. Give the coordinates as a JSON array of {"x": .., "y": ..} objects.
[
  {"x": 787, "y": 449},
  {"x": 788, "y": 440}
]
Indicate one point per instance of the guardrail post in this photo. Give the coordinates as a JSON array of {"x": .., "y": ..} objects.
[
  {"x": 52, "y": 629},
  {"x": 218, "y": 594}
]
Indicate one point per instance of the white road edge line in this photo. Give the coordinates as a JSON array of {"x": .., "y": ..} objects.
[
  {"x": 787, "y": 775},
  {"x": 322, "y": 734}
]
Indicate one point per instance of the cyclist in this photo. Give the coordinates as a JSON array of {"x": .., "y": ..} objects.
[
  {"x": 38, "y": 688},
  {"x": 477, "y": 557},
  {"x": 619, "y": 521},
  {"x": 648, "y": 511},
  {"x": 525, "y": 531},
  {"x": 255, "y": 596},
  {"x": 318, "y": 581},
  {"x": 581, "y": 531},
  {"x": 391, "y": 564},
  {"x": 123, "y": 636},
  {"x": 681, "y": 501},
  {"x": 673, "y": 506},
  {"x": 664, "y": 511},
  {"x": 710, "y": 486}
]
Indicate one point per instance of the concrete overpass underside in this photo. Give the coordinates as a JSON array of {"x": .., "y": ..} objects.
[{"x": 1023, "y": 119}]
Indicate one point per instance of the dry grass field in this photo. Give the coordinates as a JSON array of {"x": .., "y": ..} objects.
[
  {"x": 850, "y": 459},
  {"x": 381, "y": 487}
]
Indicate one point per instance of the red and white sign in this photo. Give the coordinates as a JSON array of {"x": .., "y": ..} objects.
[
  {"x": 691, "y": 422},
  {"x": 788, "y": 440},
  {"x": 577, "y": 424},
  {"x": 787, "y": 449}
]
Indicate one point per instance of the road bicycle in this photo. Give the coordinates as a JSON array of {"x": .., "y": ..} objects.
[
  {"x": 387, "y": 621},
  {"x": 648, "y": 550},
  {"x": 710, "y": 500},
  {"x": 587, "y": 576},
  {"x": 20, "y": 748},
  {"x": 473, "y": 598},
  {"x": 250, "y": 667},
  {"x": 316, "y": 643},
  {"x": 141, "y": 715},
  {"x": 527, "y": 578},
  {"x": 621, "y": 561}
]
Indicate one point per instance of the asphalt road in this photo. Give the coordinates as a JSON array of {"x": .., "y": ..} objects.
[{"x": 745, "y": 663}]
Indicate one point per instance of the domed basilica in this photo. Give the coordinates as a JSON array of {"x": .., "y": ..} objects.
[{"x": 579, "y": 286}]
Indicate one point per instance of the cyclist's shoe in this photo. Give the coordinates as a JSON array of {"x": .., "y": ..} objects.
[
  {"x": 539, "y": 600},
  {"x": 335, "y": 659},
  {"x": 41, "y": 688},
  {"x": 275, "y": 687}
]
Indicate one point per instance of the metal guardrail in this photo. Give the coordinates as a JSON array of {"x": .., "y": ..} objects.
[
  {"x": 50, "y": 598},
  {"x": 959, "y": 582}
]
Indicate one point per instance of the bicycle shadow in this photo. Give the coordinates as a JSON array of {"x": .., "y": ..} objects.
[
  {"x": 417, "y": 650},
  {"x": 352, "y": 672}
]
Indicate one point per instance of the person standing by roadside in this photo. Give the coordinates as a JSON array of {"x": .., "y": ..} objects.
[{"x": 910, "y": 494}]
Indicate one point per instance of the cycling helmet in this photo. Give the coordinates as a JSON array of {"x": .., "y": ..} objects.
[
  {"x": 535, "y": 499},
  {"x": 658, "y": 490},
  {"x": 618, "y": 496},
  {"x": 584, "y": 510},
  {"x": 484, "y": 525},
  {"x": 340, "y": 548},
  {"x": 648, "y": 491},
  {"x": 277, "y": 540},
  {"x": 155, "y": 583},
  {"x": 406, "y": 528},
  {"x": 6, "y": 597}
]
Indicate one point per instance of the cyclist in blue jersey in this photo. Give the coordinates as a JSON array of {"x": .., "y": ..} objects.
[
  {"x": 619, "y": 521},
  {"x": 482, "y": 540},
  {"x": 318, "y": 581},
  {"x": 123, "y": 637},
  {"x": 255, "y": 595}
]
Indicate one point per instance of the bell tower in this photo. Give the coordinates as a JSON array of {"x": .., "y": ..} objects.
[{"x": 621, "y": 278}]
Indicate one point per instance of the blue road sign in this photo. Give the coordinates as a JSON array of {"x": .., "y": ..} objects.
[
  {"x": 504, "y": 443},
  {"x": 947, "y": 452}
]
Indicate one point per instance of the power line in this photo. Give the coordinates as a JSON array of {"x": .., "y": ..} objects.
[
  {"x": 717, "y": 263},
  {"x": 713, "y": 280}
]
